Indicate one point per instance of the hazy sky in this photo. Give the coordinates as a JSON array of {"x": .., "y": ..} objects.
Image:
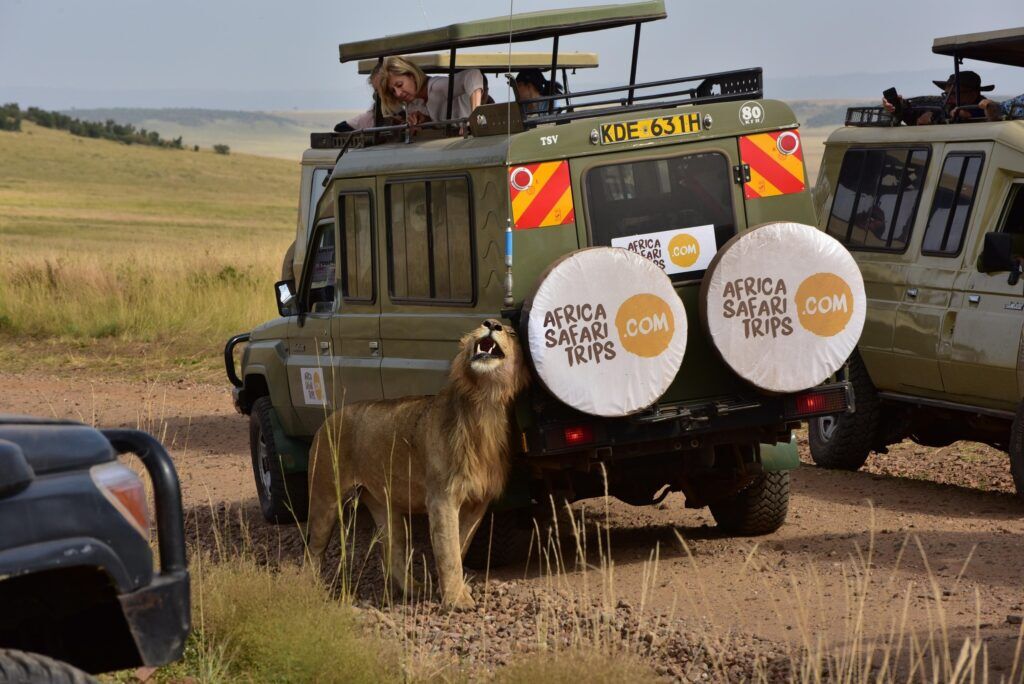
[{"x": 266, "y": 54}]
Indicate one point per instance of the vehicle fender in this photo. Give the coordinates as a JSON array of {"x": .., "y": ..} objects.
[
  {"x": 294, "y": 452},
  {"x": 268, "y": 361},
  {"x": 779, "y": 457},
  {"x": 60, "y": 554}
]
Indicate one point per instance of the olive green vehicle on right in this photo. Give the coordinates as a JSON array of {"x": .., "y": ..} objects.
[{"x": 934, "y": 216}]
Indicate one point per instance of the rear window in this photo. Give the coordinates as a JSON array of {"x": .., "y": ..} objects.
[
  {"x": 876, "y": 198},
  {"x": 951, "y": 208},
  {"x": 651, "y": 196}
]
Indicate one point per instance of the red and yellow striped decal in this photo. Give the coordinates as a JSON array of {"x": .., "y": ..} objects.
[
  {"x": 772, "y": 172},
  {"x": 541, "y": 195}
]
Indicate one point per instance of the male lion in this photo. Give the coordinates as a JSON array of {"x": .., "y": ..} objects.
[{"x": 444, "y": 455}]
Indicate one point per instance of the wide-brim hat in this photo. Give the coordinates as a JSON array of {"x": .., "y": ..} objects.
[{"x": 968, "y": 79}]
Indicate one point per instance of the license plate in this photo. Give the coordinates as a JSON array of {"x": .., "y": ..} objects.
[{"x": 647, "y": 129}]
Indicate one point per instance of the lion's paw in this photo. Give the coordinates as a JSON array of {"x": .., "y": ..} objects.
[{"x": 462, "y": 600}]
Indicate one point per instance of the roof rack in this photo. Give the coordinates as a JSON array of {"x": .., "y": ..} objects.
[
  {"x": 723, "y": 86},
  {"x": 869, "y": 116},
  {"x": 741, "y": 84}
]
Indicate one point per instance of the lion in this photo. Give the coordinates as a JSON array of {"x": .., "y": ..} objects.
[{"x": 445, "y": 455}]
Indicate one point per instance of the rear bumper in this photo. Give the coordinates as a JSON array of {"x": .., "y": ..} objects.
[{"x": 685, "y": 426}]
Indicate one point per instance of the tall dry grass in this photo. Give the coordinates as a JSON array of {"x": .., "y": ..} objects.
[{"x": 111, "y": 247}]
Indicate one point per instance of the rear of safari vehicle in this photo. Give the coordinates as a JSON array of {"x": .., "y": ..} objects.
[
  {"x": 673, "y": 184},
  {"x": 672, "y": 172}
]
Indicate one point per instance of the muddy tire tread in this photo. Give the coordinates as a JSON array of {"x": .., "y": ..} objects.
[
  {"x": 289, "y": 493},
  {"x": 855, "y": 433},
  {"x": 22, "y": 667},
  {"x": 759, "y": 509}
]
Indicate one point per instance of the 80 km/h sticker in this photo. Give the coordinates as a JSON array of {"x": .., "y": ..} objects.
[{"x": 646, "y": 129}]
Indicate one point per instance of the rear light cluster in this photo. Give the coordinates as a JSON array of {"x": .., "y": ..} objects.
[
  {"x": 576, "y": 435},
  {"x": 818, "y": 402},
  {"x": 125, "y": 491}
]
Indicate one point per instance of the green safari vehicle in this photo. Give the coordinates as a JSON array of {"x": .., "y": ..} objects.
[
  {"x": 418, "y": 237},
  {"x": 934, "y": 215}
]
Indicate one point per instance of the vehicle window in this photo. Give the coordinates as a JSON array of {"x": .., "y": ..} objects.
[
  {"x": 876, "y": 197},
  {"x": 316, "y": 191},
  {"x": 1013, "y": 218},
  {"x": 357, "y": 271},
  {"x": 951, "y": 208},
  {"x": 320, "y": 291},
  {"x": 430, "y": 240},
  {"x": 661, "y": 194}
]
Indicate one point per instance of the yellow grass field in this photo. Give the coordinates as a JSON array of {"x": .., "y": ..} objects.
[{"x": 135, "y": 256}]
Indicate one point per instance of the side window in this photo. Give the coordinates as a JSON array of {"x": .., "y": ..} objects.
[
  {"x": 319, "y": 293},
  {"x": 430, "y": 240},
  {"x": 357, "y": 262},
  {"x": 316, "y": 191},
  {"x": 1013, "y": 216},
  {"x": 951, "y": 208},
  {"x": 876, "y": 197}
]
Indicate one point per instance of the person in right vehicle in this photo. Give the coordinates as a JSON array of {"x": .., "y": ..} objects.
[{"x": 972, "y": 107}]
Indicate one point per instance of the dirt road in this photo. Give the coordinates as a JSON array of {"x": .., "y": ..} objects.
[{"x": 938, "y": 548}]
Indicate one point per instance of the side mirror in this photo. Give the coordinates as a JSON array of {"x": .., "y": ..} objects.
[
  {"x": 284, "y": 291},
  {"x": 997, "y": 255}
]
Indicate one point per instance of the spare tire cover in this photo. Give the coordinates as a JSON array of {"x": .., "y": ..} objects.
[
  {"x": 606, "y": 331},
  {"x": 784, "y": 305}
]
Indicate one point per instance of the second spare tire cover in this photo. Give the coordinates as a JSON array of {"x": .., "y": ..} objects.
[
  {"x": 784, "y": 305},
  {"x": 606, "y": 331}
]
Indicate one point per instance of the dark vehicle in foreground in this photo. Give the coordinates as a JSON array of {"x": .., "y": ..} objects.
[
  {"x": 934, "y": 216},
  {"x": 78, "y": 590}
]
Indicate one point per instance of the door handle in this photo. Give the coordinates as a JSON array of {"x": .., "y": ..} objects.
[
  {"x": 374, "y": 348},
  {"x": 974, "y": 299},
  {"x": 324, "y": 345},
  {"x": 912, "y": 292}
]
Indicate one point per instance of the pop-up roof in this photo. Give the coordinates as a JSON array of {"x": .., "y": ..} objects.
[
  {"x": 493, "y": 62},
  {"x": 514, "y": 28},
  {"x": 1000, "y": 47}
]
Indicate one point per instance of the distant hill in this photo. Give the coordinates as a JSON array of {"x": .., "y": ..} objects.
[{"x": 273, "y": 134}]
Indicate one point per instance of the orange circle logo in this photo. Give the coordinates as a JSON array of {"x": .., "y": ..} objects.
[
  {"x": 684, "y": 250},
  {"x": 645, "y": 324},
  {"x": 824, "y": 303}
]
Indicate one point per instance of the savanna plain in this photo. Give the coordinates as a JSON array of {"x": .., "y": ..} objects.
[{"x": 122, "y": 271}]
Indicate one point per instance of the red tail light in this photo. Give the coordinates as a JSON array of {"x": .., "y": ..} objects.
[
  {"x": 578, "y": 434},
  {"x": 820, "y": 401}
]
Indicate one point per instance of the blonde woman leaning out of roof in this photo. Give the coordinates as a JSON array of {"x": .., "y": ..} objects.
[{"x": 404, "y": 84}]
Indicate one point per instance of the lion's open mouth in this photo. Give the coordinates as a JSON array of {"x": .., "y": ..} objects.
[{"x": 487, "y": 348}]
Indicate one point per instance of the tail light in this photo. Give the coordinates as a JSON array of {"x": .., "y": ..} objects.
[
  {"x": 819, "y": 401},
  {"x": 578, "y": 434},
  {"x": 125, "y": 491}
]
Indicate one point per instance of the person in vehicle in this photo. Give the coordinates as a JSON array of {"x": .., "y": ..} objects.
[
  {"x": 403, "y": 86},
  {"x": 531, "y": 84},
  {"x": 971, "y": 103},
  {"x": 1007, "y": 109},
  {"x": 368, "y": 119}
]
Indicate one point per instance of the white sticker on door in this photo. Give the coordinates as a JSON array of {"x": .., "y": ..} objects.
[
  {"x": 313, "y": 386},
  {"x": 675, "y": 251}
]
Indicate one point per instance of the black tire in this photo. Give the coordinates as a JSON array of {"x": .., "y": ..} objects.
[
  {"x": 20, "y": 667},
  {"x": 1016, "y": 449},
  {"x": 507, "y": 538},
  {"x": 844, "y": 441},
  {"x": 284, "y": 498},
  {"x": 758, "y": 509}
]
